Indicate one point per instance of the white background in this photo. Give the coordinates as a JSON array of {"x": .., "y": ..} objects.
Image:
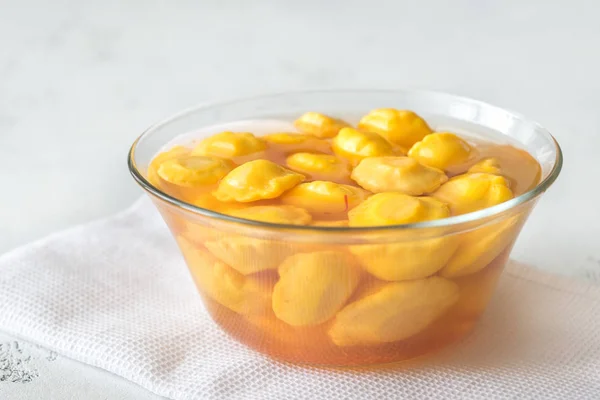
[{"x": 79, "y": 80}]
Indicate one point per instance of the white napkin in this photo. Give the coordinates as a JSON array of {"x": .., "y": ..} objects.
[{"x": 116, "y": 294}]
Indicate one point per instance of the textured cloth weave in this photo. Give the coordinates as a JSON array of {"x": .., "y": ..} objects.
[{"x": 116, "y": 294}]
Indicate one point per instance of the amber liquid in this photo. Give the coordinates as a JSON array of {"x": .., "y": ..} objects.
[
  {"x": 312, "y": 345},
  {"x": 266, "y": 333}
]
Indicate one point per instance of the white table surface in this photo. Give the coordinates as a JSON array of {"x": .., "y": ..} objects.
[{"x": 79, "y": 80}]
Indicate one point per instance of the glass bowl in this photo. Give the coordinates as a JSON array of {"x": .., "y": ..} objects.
[{"x": 348, "y": 296}]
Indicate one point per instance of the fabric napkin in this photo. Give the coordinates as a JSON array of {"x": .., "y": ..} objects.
[{"x": 116, "y": 294}]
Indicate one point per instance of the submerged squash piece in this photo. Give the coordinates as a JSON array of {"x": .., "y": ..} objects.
[
  {"x": 324, "y": 197},
  {"x": 395, "y": 312},
  {"x": 197, "y": 233},
  {"x": 296, "y": 142},
  {"x": 487, "y": 166},
  {"x": 244, "y": 295},
  {"x": 256, "y": 180},
  {"x": 441, "y": 150},
  {"x": 249, "y": 255},
  {"x": 314, "y": 286},
  {"x": 408, "y": 260},
  {"x": 229, "y": 145},
  {"x": 397, "y": 174},
  {"x": 401, "y": 127},
  {"x": 331, "y": 223},
  {"x": 288, "y": 215},
  {"x": 402, "y": 260},
  {"x": 194, "y": 171},
  {"x": 319, "y": 125},
  {"x": 396, "y": 208},
  {"x": 209, "y": 201},
  {"x": 471, "y": 192},
  {"x": 480, "y": 247},
  {"x": 355, "y": 145}
]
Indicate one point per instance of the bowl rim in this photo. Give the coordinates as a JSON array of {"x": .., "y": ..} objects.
[{"x": 449, "y": 222}]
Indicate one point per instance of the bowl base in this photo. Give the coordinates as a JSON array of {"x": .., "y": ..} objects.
[{"x": 317, "y": 350}]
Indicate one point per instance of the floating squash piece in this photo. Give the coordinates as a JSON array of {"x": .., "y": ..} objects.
[
  {"x": 319, "y": 125},
  {"x": 471, "y": 192},
  {"x": 401, "y": 127},
  {"x": 397, "y": 174},
  {"x": 230, "y": 145},
  {"x": 396, "y": 208},
  {"x": 442, "y": 150},
  {"x": 355, "y": 145},
  {"x": 324, "y": 197},
  {"x": 194, "y": 171},
  {"x": 256, "y": 180},
  {"x": 324, "y": 166}
]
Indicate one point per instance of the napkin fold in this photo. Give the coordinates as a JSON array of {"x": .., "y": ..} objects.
[{"x": 116, "y": 294}]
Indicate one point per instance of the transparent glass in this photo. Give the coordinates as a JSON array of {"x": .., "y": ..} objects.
[{"x": 349, "y": 296}]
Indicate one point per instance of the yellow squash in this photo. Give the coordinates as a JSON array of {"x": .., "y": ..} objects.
[
  {"x": 396, "y": 311},
  {"x": 256, "y": 180},
  {"x": 313, "y": 286}
]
